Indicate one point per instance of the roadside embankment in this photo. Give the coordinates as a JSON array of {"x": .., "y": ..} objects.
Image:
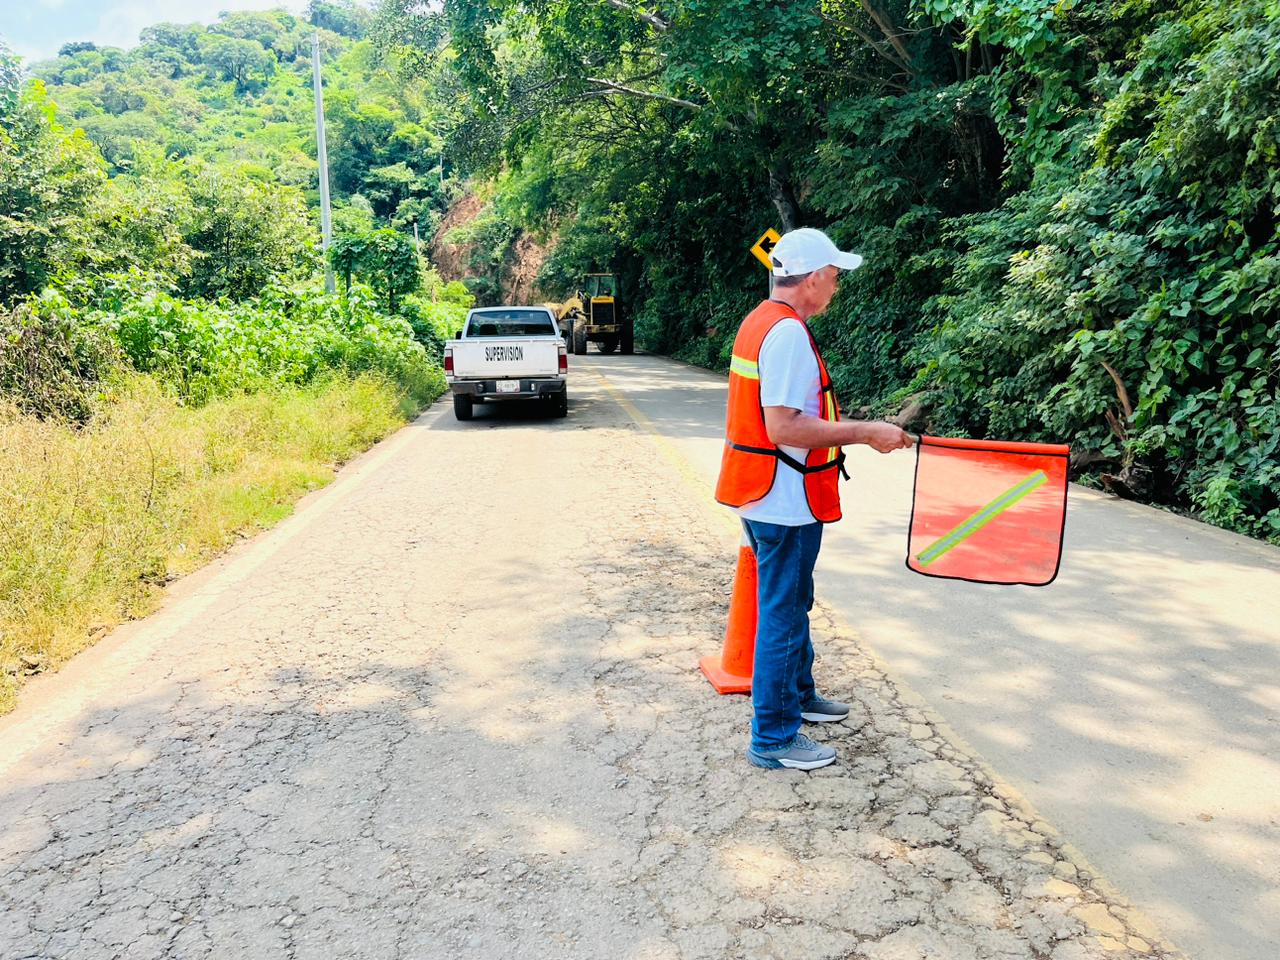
[{"x": 94, "y": 520}]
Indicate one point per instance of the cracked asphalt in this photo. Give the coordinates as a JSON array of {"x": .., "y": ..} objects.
[{"x": 451, "y": 709}]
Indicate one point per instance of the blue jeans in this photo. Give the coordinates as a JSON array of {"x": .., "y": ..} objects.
[{"x": 782, "y": 676}]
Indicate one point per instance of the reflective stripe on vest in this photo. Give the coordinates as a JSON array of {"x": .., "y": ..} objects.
[
  {"x": 750, "y": 461},
  {"x": 745, "y": 368}
]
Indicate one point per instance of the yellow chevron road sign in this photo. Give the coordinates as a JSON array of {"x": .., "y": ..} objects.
[{"x": 764, "y": 246}]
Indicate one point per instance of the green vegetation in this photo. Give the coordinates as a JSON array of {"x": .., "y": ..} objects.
[
  {"x": 172, "y": 373},
  {"x": 1069, "y": 208},
  {"x": 192, "y": 155}
]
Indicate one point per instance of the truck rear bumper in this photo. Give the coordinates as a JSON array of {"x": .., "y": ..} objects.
[{"x": 486, "y": 391}]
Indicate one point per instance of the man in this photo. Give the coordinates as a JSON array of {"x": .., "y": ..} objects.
[{"x": 781, "y": 466}]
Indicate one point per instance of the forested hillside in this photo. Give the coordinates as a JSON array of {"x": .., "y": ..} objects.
[
  {"x": 196, "y": 133},
  {"x": 1068, "y": 207}
]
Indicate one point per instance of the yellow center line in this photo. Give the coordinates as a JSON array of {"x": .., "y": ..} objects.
[{"x": 698, "y": 485}]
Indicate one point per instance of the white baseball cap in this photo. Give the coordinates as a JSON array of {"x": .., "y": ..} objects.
[{"x": 806, "y": 250}]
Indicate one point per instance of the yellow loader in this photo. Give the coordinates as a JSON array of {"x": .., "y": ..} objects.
[{"x": 592, "y": 314}]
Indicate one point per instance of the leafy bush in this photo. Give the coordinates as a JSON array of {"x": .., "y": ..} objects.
[
  {"x": 1153, "y": 256},
  {"x": 50, "y": 366},
  {"x": 288, "y": 335},
  {"x": 245, "y": 233},
  {"x": 439, "y": 317}
]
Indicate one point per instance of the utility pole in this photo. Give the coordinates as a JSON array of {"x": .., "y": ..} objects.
[{"x": 322, "y": 154}]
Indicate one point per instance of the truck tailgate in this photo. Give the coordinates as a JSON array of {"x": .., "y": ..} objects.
[{"x": 506, "y": 357}]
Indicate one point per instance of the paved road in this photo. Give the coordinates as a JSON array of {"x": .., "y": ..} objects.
[
  {"x": 449, "y": 709},
  {"x": 1135, "y": 701}
]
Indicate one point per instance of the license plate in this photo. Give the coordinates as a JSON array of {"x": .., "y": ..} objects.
[{"x": 508, "y": 386}]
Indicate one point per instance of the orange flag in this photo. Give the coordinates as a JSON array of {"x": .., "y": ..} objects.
[{"x": 988, "y": 511}]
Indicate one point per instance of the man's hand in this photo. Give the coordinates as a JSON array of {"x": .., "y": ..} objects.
[
  {"x": 785, "y": 425},
  {"x": 884, "y": 437}
]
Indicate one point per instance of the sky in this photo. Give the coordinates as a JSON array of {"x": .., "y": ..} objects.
[{"x": 35, "y": 29}]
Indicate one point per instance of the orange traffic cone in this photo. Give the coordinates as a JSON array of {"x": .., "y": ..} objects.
[{"x": 730, "y": 672}]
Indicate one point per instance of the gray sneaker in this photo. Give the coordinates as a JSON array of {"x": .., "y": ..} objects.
[
  {"x": 822, "y": 710},
  {"x": 801, "y": 754}
]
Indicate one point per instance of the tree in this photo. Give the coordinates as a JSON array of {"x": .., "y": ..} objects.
[
  {"x": 48, "y": 176},
  {"x": 10, "y": 82},
  {"x": 139, "y": 221},
  {"x": 385, "y": 259},
  {"x": 183, "y": 37},
  {"x": 79, "y": 46},
  {"x": 234, "y": 58},
  {"x": 341, "y": 16},
  {"x": 265, "y": 29},
  {"x": 177, "y": 44},
  {"x": 122, "y": 93},
  {"x": 117, "y": 136},
  {"x": 359, "y": 134},
  {"x": 386, "y": 187},
  {"x": 244, "y": 234}
]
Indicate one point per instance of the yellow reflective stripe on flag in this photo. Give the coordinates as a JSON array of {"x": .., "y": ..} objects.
[{"x": 744, "y": 368}]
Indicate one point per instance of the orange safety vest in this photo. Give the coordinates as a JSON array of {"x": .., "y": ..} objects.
[{"x": 750, "y": 460}]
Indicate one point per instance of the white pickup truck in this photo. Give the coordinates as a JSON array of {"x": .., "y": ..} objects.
[{"x": 507, "y": 353}]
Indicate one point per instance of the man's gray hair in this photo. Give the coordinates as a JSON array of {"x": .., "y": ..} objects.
[{"x": 795, "y": 281}]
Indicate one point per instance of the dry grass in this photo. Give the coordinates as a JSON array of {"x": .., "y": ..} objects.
[{"x": 94, "y": 521}]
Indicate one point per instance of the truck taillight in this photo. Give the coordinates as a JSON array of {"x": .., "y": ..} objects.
[
  {"x": 448, "y": 361},
  {"x": 564, "y": 359}
]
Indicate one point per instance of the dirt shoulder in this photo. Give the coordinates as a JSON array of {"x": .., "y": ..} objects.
[{"x": 451, "y": 709}]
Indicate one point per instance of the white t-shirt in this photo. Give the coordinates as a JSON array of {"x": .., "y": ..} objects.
[{"x": 788, "y": 378}]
